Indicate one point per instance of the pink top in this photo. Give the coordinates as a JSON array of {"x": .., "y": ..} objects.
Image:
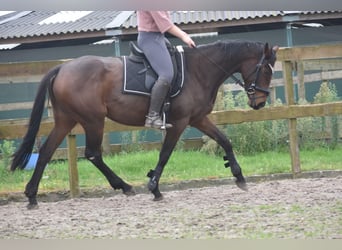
[{"x": 154, "y": 21}]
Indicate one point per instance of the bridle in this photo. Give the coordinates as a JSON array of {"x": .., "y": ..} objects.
[{"x": 253, "y": 87}]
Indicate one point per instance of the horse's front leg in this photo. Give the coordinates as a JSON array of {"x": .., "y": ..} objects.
[
  {"x": 169, "y": 144},
  {"x": 207, "y": 127}
]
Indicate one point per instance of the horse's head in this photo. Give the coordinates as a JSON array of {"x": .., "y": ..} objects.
[{"x": 258, "y": 80}]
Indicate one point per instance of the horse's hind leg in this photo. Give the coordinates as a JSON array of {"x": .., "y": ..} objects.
[
  {"x": 94, "y": 134},
  {"x": 45, "y": 153},
  {"x": 207, "y": 127}
]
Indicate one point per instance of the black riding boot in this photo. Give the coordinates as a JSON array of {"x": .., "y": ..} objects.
[{"x": 158, "y": 95}]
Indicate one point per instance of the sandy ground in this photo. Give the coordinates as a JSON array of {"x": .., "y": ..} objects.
[{"x": 291, "y": 208}]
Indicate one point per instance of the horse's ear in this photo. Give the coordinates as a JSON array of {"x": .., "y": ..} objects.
[
  {"x": 266, "y": 48},
  {"x": 268, "y": 52}
]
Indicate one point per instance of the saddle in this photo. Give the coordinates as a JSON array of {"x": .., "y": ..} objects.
[{"x": 139, "y": 76}]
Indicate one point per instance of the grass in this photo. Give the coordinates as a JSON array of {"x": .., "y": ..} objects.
[{"x": 183, "y": 165}]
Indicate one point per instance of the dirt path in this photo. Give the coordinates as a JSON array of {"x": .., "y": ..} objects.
[{"x": 299, "y": 208}]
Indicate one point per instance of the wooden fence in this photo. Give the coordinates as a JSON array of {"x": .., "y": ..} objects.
[{"x": 289, "y": 60}]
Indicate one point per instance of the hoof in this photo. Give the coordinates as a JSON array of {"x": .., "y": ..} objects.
[
  {"x": 242, "y": 185},
  {"x": 32, "y": 206},
  {"x": 159, "y": 198},
  {"x": 130, "y": 192}
]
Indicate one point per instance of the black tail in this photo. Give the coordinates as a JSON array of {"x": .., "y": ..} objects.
[{"x": 22, "y": 155}]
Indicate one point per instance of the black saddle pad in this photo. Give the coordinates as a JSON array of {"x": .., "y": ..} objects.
[{"x": 139, "y": 78}]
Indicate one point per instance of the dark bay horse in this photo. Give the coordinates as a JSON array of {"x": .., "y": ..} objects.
[{"x": 88, "y": 89}]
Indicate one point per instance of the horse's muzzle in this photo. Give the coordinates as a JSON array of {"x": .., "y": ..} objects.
[{"x": 259, "y": 105}]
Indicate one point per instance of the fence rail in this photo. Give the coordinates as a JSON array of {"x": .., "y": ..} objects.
[
  {"x": 13, "y": 129},
  {"x": 323, "y": 57}
]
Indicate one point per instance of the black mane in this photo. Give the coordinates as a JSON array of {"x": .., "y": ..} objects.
[{"x": 231, "y": 47}]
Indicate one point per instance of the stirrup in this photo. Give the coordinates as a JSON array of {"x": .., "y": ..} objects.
[
  {"x": 165, "y": 125},
  {"x": 156, "y": 122}
]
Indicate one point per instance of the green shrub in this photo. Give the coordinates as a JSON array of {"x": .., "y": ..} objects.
[
  {"x": 328, "y": 125},
  {"x": 327, "y": 93},
  {"x": 250, "y": 138},
  {"x": 7, "y": 149},
  {"x": 254, "y": 137}
]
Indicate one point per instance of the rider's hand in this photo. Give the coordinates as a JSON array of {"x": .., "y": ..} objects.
[{"x": 187, "y": 39}]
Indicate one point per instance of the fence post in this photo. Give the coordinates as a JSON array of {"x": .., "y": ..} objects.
[
  {"x": 73, "y": 171},
  {"x": 289, "y": 93},
  {"x": 301, "y": 83},
  {"x": 106, "y": 144},
  {"x": 273, "y": 95}
]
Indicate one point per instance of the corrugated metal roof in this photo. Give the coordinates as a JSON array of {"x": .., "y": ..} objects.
[
  {"x": 188, "y": 17},
  {"x": 28, "y": 26},
  {"x": 22, "y": 24},
  {"x": 119, "y": 19},
  {"x": 65, "y": 17},
  {"x": 184, "y": 17},
  {"x": 9, "y": 17}
]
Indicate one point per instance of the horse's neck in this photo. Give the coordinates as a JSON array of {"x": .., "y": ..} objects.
[
  {"x": 235, "y": 54},
  {"x": 205, "y": 73},
  {"x": 215, "y": 62},
  {"x": 219, "y": 59},
  {"x": 211, "y": 65},
  {"x": 205, "y": 64},
  {"x": 230, "y": 56}
]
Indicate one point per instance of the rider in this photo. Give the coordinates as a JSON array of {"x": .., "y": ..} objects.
[{"x": 151, "y": 39}]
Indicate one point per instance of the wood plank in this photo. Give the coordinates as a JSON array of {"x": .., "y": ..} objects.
[
  {"x": 20, "y": 79},
  {"x": 275, "y": 113},
  {"x": 309, "y": 52},
  {"x": 327, "y": 64},
  {"x": 27, "y": 68},
  {"x": 16, "y": 128},
  {"x": 309, "y": 78},
  {"x": 19, "y": 105}
]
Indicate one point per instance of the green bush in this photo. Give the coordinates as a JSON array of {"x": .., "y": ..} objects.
[
  {"x": 327, "y": 93},
  {"x": 328, "y": 125},
  {"x": 254, "y": 137},
  {"x": 7, "y": 149}
]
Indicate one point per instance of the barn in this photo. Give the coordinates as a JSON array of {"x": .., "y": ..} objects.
[
  {"x": 48, "y": 35},
  {"x": 30, "y": 36}
]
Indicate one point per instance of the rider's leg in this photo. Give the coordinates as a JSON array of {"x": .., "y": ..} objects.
[{"x": 158, "y": 95}]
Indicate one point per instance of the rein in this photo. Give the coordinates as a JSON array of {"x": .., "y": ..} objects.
[{"x": 251, "y": 89}]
